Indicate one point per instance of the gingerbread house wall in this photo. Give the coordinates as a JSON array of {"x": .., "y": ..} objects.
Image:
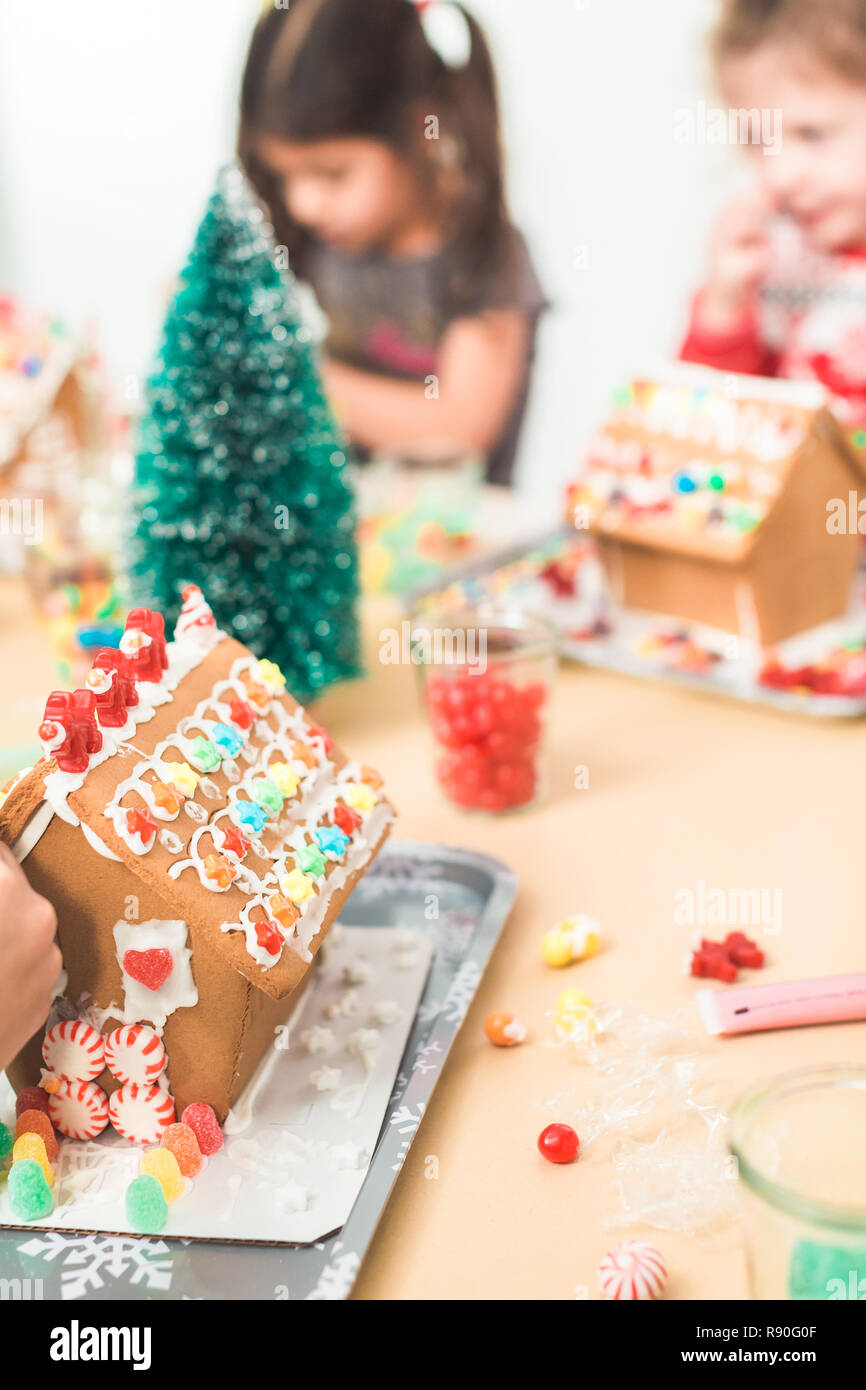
[{"x": 214, "y": 1047}]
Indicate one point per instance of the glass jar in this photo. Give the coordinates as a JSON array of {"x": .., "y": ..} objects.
[
  {"x": 487, "y": 672},
  {"x": 800, "y": 1146}
]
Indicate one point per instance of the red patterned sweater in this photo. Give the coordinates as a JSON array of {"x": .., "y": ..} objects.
[{"x": 808, "y": 323}]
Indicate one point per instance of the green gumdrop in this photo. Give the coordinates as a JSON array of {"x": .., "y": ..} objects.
[
  {"x": 146, "y": 1207},
  {"x": 815, "y": 1268},
  {"x": 310, "y": 860},
  {"x": 7, "y": 1139},
  {"x": 29, "y": 1193}
]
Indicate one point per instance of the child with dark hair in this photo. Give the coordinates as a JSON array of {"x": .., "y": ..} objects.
[
  {"x": 785, "y": 293},
  {"x": 370, "y": 130}
]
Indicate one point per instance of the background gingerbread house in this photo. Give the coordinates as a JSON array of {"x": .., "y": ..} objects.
[{"x": 708, "y": 496}]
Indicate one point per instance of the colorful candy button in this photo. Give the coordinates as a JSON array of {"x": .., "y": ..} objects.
[
  {"x": 331, "y": 840},
  {"x": 504, "y": 1030},
  {"x": 227, "y": 740},
  {"x": 284, "y": 777},
  {"x": 311, "y": 860},
  {"x": 268, "y": 795},
  {"x": 359, "y": 795},
  {"x": 297, "y": 886},
  {"x": 558, "y": 1143},
  {"x": 182, "y": 776}
]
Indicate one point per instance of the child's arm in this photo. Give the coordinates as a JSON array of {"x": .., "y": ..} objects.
[
  {"x": 482, "y": 364},
  {"x": 31, "y": 961},
  {"x": 723, "y": 329}
]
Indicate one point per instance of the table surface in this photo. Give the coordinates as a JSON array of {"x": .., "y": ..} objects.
[{"x": 682, "y": 788}]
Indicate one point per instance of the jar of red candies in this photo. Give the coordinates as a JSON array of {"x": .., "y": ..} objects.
[{"x": 487, "y": 673}]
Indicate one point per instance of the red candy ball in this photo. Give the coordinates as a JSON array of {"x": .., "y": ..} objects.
[
  {"x": 558, "y": 1144},
  {"x": 489, "y": 730}
]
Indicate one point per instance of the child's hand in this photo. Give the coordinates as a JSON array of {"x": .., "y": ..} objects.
[
  {"x": 739, "y": 256},
  {"x": 31, "y": 960}
]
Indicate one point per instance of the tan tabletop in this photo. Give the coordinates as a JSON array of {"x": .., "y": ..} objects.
[{"x": 682, "y": 788}]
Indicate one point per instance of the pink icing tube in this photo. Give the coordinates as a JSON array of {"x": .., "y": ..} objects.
[{"x": 833, "y": 999}]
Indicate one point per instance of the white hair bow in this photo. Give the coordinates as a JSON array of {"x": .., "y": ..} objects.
[{"x": 446, "y": 31}]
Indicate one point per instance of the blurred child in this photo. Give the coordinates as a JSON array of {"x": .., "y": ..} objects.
[
  {"x": 376, "y": 151},
  {"x": 785, "y": 293},
  {"x": 31, "y": 959}
]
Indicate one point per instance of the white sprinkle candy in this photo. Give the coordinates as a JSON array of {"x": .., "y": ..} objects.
[
  {"x": 632, "y": 1271},
  {"x": 318, "y": 1039},
  {"x": 73, "y": 1050},
  {"x": 359, "y": 972},
  {"x": 385, "y": 1013},
  {"x": 326, "y": 1078}
]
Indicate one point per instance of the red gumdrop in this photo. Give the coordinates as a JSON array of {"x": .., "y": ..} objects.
[
  {"x": 32, "y": 1098},
  {"x": 203, "y": 1122},
  {"x": 558, "y": 1144}
]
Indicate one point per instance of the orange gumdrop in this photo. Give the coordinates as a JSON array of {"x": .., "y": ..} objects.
[
  {"x": 184, "y": 1145},
  {"x": 504, "y": 1030},
  {"x": 37, "y": 1122}
]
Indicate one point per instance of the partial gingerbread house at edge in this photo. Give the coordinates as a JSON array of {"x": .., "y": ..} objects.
[
  {"x": 196, "y": 859},
  {"x": 708, "y": 496}
]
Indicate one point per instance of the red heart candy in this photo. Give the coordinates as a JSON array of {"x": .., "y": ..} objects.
[{"x": 150, "y": 968}]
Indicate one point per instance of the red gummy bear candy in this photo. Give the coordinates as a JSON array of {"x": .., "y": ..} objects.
[
  {"x": 203, "y": 1122},
  {"x": 150, "y": 968},
  {"x": 743, "y": 951},
  {"x": 711, "y": 961}
]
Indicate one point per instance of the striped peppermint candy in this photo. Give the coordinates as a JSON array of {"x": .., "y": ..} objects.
[
  {"x": 633, "y": 1271},
  {"x": 74, "y": 1050},
  {"x": 78, "y": 1109},
  {"x": 141, "y": 1113},
  {"x": 135, "y": 1053}
]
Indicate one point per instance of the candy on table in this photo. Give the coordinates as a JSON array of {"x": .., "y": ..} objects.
[
  {"x": 146, "y": 1207},
  {"x": 29, "y": 1193},
  {"x": 573, "y": 1016},
  {"x": 37, "y": 1122},
  {"x": 310, "y": 860},
  {"x": 203, "y": 1122},
  {"x": 359, "y": 795},
  {"x": 490, "y": 730},
  {"x": 150, "y": 968},
  {"x": 269, "y": 937},
  {"x": 78, "y": 1109},
  {"x": 574, "y": 938},
  {"x": 296, "y": 886},
  {"x": 345, "y": 818},
  {"x": 163, "y": 1165},
  {"x": 140, "y": 1113},
  {"x": 710, "y": 961},
  {"x": 183, "y": 777},
  {"x": 331, "y": 840},
  {"x": 180, "y": 1138},
  {"x": 135, "y": 1052},
  {"x": 32, "y": 1146},
  {"x": 69, "y": 731},
  {"x": 31, "y": 1098},
  {"x": 284, "y": 910},
  {"x": 219, "y": 870},
  {"x": 558, "y": 1143},
  {"x": 73, "y": 1051},
  {"x": 504, "y": 1030},
  {"x": 284, "y": 778},
  {"x": 632, "y": 1271},
  {"x": 743, "y": 951}
]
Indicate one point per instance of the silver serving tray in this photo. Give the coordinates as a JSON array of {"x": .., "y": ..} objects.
[{"x": 472, "y": 895}]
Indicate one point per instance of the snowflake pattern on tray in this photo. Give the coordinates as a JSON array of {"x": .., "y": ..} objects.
[{"x": 87, "y": 1260}]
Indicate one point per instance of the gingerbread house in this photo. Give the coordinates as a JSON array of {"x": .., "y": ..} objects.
[
  {"x": 198, "y": 834},
  {"x": 709, "y": 494}
]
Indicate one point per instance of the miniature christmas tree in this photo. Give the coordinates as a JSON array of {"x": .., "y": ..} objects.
[{"x": 240, "y": 478}]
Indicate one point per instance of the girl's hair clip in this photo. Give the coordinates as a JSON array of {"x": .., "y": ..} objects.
[{"x": 446, "y": 31}]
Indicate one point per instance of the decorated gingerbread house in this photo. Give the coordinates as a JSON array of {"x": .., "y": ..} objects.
[
  {"x": 708, "y": 495},
  {"x": 198, "y": 834}
]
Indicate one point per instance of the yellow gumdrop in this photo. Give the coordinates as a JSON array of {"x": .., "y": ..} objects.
[
  {"x": 556, "y": 948},
  {"x": 31, "y": 1145},
  {"x": 591, "y": 944},
  {"x": 162, "y": 1165},
  {"x": 578, "y": 1028}
]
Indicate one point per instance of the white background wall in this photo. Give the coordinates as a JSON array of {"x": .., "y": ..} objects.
[{"x": 114, "y": 117}]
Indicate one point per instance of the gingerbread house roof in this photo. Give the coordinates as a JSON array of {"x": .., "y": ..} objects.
[
  {"x": 696, "y": 461},
  {"x": 189, "y": 762}
]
